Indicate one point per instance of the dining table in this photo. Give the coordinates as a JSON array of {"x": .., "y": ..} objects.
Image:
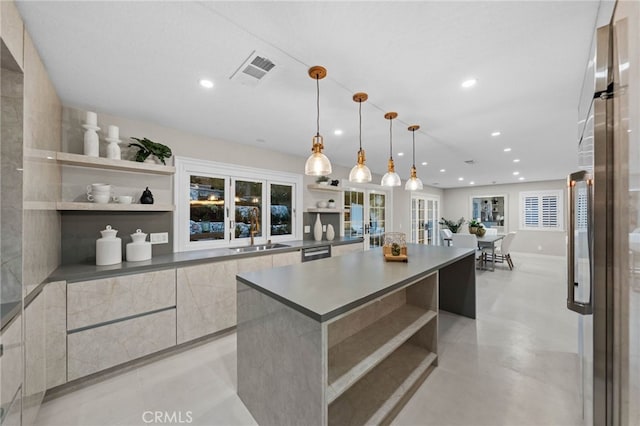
[{"x": 489, "y": 242}]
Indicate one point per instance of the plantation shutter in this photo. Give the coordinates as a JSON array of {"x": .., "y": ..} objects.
[{"x": 543, "y": 210}]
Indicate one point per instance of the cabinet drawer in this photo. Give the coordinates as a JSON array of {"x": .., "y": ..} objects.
[
  {"x": 98, "y": 301},
  {"x": 96, "y": 349}
]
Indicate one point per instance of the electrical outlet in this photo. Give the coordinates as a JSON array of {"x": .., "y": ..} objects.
[
  {"x": 159, "y": 237},
  {"x": 324, "y": 228},
  {"x": 307, "y": 229}
]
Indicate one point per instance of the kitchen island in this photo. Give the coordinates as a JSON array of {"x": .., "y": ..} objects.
[{"x": 345, "y": 340}]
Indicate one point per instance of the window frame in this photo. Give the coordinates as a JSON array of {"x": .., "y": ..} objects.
[
  {"x": 559, "y": 194},
  {"x": 186, "y": 167}
]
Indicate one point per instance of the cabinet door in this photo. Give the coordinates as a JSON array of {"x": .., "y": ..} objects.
[
  {"x": 98, "y": 301},
  {"x": 105, "y": 346},
  {"x": 11, "y": 365},
  {"x": 34, "y": 359},
  {"x": 345, "y": 248},
  {"x": 206, "y": 299},
  {"x": 55, "y": 296},
  {"x": 284, "y": 259}
]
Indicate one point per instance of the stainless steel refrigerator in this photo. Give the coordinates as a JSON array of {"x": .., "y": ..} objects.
[{"x": 604, "y": 224}]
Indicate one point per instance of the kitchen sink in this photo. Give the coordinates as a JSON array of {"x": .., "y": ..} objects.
[{"x": 259, "y": 247}]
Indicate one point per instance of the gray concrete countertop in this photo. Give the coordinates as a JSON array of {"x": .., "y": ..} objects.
[
  {"x": 87, "y": 271},
  {"x": 329, "y": 287}
]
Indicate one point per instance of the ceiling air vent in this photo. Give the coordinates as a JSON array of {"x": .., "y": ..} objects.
[
  {"x": 470, "y": 161},
  {"x": 253, "y": 70}
]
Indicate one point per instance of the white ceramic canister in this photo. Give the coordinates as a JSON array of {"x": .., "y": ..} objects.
[
  {"x": 108, "y": 248},
  {"x": 139, "y": 249}
]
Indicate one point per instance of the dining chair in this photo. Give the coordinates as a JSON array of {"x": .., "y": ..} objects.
[
  {"x": 464, "y": 240},
  {"x": 446, "y": 234},
  {"x": 502, "y": 252}
]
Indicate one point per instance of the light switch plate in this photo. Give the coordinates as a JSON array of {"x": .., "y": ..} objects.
[
  {"x": 307, "y": 229},
  {"x": 159, "y": 238},
  {"x": 324, "y": 228}
]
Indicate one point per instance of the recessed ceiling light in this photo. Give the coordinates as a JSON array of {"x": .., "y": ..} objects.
[
  {"x": 495, "y": 134},
  {"x": 516, "y": 160},
  {"x": 400, "y": 154},
  {"x": 207, "y": 84},
  {"x": 460, "y": 178},
  {"x": 337, "y": 132},
  {"x": 507, "y": 149},
  {"x": 442, "y": 170},
  {"x": 521, "y": 178},
  {"x": 516, "y": 173},
  {"x": 424, "y": 163},
  {"x": 472, "y": 183},
  {"x": 469, "y": 83}
]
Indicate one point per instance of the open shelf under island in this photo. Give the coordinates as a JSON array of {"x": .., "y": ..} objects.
[{"x": 345, "y": 340}]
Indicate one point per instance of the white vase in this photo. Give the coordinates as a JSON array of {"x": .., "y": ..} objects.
[
  {"x": 91, "y": 141},
  {"x": 331, "y": 234},
  {"x": 113, "y": 149},
  {"x": 317, "y": 229}
]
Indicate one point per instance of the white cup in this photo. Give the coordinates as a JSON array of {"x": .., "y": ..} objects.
[
  {"x": 123, "y": 199},
  {"x": 99, "y": 198},
  {"x": 98, "y": 187}
]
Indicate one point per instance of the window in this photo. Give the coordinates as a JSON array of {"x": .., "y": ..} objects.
[
  {"x": 541, "y": 210},
  {"x": 221, "y": 205}
]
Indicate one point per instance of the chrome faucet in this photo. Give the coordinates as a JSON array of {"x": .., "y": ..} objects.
[{"x": 254, "y": 223}]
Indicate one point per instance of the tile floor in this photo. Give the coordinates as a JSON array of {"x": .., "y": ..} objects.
[{"x": 515, "y": 365}]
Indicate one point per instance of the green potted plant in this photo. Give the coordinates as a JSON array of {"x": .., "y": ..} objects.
[
  {"x": 322, "y": 180},
  {"x": 453, "y": 226},
  {"x": 473, "y": 226},
  {"x": 147, "y": 147}
]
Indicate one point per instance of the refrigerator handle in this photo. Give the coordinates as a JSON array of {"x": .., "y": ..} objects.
[{"x": 579, "y": 307}]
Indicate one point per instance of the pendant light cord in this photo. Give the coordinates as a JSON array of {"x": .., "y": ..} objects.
[
  {"x": 317, "y": 106},
  {"x": 413, "y": 133},
  {"x": 390, "y": 139},
  {"x": 360, "y": 116}
]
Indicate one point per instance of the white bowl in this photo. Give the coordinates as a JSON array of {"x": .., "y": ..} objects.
[{"x": 322, "y": 204}]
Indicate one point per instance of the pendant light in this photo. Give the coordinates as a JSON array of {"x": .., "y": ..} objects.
[
  {"x": 317, "y": 164},
  {"x": 414, "y": 183},
  {"x": 360, "y": 172},
  {"x": 391, "y": 178}
]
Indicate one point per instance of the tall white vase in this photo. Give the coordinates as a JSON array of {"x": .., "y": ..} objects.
[
  {"x": 317, "y": 229},
  {"x": 331, "y": 233}
]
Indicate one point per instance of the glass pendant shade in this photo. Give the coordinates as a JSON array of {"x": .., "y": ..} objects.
[
  {"x": 391, "y": 179},
  {"x": 317, "y": 164}
]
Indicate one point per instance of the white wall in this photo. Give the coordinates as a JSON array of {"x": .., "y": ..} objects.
[{"x": 457, "y": 203}]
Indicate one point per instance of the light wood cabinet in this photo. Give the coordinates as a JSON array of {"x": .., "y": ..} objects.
[
  {"x": 346, "y": 248},
  {"x": 206, "y": 299},
  {"x": 284, "y": 259},
  {"x": 34, "y": 358}
]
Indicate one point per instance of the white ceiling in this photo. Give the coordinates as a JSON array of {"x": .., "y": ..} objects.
[{"x": 144, "y": 60}]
